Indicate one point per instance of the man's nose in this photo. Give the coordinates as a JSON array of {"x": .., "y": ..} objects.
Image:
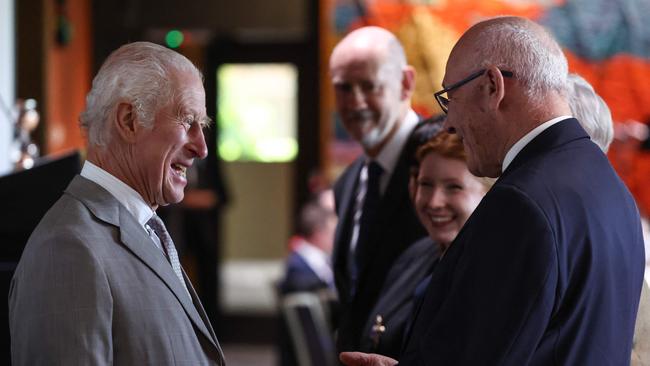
[
  {"x": 197, "y": 143},
  {"x": 358, "y": 97},
  {"x": 437, "y": 199}
]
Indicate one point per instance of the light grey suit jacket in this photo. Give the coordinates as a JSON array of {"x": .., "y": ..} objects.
[{"x": 92, "y": 289}]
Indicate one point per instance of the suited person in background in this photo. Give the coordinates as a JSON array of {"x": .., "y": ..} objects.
[
  {"x": 308, "y": 267},
  {"x": 444, "y": 194},
  {"x": 383, "y": 330},
  {"x": 99, "y": 281},
  {"x": 549, "y": 267},
  {"x": 373, "y": 87}
]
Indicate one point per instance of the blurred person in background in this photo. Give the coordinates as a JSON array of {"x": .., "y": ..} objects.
[
  {"x": 308, "y": 268},
  {"x": 373, "y": 85},
  {"x": 445, "y": 194},
  {"x": 591, "y": 111}
]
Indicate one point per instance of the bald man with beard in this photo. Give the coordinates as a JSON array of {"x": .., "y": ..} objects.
[{"x": 373, "y": 86}]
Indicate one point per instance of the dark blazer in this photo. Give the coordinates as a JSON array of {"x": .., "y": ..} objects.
[
  {"x": 300, "y": 276},
  {"x": 395, "y": 303},
  {"x": 396, "y": 228},
  {"x": 546, "y": 271}
]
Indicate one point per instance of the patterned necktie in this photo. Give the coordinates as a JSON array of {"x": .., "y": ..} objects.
[
  {"x": 366, "y": 208},
  {"x": 158, "y": 227}
]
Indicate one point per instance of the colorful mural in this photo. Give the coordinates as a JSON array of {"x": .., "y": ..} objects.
[{"x": 607, "y": 42}]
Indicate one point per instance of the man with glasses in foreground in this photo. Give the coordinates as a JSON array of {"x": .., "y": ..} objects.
[{"x": 548, "y": 269}]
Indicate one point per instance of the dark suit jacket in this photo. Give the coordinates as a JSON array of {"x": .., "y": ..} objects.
[
  {"x": 395, "y": 303},
  {"x": 396, "y": 228},
  {"x": 547, "y": 270},
  {"x": 300, "y": 276}
]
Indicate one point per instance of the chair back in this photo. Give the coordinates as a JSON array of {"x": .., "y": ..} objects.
[{"x": 306, "y": 319}]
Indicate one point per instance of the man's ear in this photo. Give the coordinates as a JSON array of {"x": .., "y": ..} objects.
[
  {"x": 125, "y": 122},
  {"x": 408, "y": 82},
  {"x": 495, "y": 88}
]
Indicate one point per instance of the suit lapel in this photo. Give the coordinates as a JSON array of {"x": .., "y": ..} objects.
[
  {"x": 396, "y": 194},
  {"x": 397, "y": 185},
  {"x": 139, "y": 242},
  {"x": 106, "y": 208},
  {"x": 343, "y": 229}
]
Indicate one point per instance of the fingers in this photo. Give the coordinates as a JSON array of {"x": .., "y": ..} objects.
[{"x": 365, "y": 359}]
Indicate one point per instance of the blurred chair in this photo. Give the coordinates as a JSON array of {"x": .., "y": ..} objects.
[{"x": 306, "y": 317}]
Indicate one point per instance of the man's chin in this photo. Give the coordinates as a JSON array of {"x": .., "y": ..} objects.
[
  {"x": 171, "y": 198},
  {"x": 484, "y": 171},
  {"x": 371, "y": 139},
  {"x": 369, "y": 145}
]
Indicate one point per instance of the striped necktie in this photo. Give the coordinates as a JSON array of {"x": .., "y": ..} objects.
[{"x": 159, "y": 229}]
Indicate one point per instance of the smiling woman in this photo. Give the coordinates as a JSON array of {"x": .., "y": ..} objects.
[{"x": 446, "y": 192}]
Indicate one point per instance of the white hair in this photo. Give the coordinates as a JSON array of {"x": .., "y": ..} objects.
[
  {"x": 532, "y": 55},
  {"x": 140, "y": 73},
  {"x": 591, "y": 111}
]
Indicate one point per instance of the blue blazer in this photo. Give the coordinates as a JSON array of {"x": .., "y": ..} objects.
[
  {"x": 547, "y": 271},
  {"x": 300, "y": 276}
]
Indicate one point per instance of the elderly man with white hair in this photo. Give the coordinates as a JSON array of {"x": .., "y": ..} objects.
[{"x": 99, "y": 282}]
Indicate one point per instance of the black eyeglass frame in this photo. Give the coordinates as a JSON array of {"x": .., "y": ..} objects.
[{"x": 444, "y": 102}]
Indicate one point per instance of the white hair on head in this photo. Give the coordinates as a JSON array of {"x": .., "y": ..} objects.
[
  {"x": 140, "y": 73},
  {"x": 532, "y": 55},
  {"x": 591, "y": 111}
]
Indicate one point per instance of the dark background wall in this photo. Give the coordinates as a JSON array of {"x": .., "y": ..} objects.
[{"x": 117, "y": 22}]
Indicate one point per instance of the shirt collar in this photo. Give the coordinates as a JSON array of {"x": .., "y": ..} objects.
[
  {"x": 124, "y": 194},
  {"x": 519, "y": 145},
  {"x": 388, "y": 156},
  {"x": 317, "y": 260}
]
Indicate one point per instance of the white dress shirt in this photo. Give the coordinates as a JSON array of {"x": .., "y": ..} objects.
[
  {"x": 387, "y": 159},
  {"x": 124, "y": 194},
  {"x": 519, "y": 145},
  {"x": 389, "y": 155},
  {"x": 317, "y": 260}
]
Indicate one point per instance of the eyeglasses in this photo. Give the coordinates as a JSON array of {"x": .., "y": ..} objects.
[{"x": 443, "y": 101}]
